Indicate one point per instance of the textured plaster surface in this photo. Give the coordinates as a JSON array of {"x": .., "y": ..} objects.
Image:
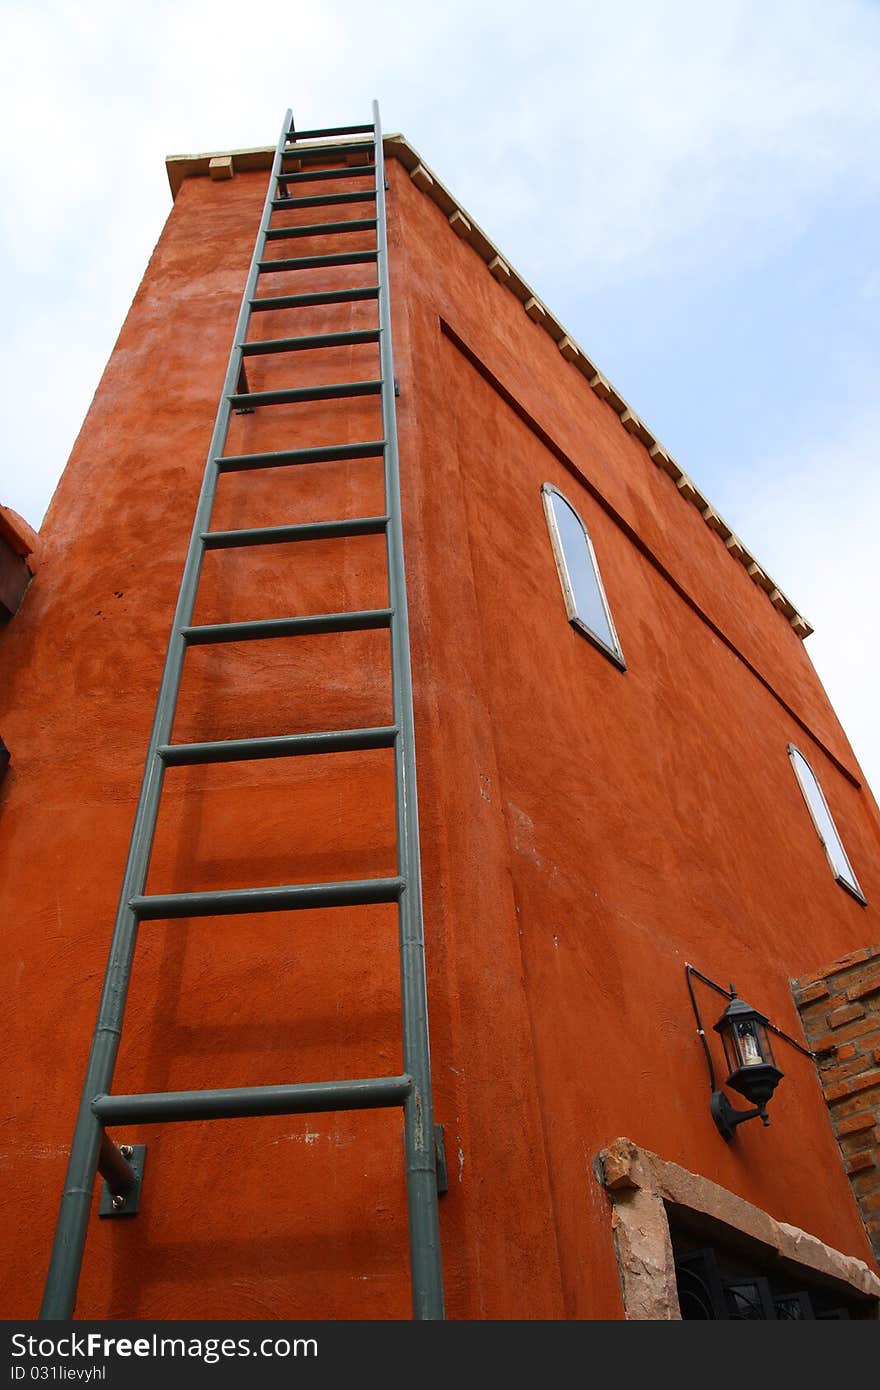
[
  {"x": 651, "y": 817},
  {"x": 584, "y": 831},
  {"x": 263, "y": 1218}
]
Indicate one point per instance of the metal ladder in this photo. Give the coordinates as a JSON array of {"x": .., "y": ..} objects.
[{"x": 92, "y": 1148}]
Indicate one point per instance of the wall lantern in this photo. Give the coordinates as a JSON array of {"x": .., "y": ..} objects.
[{"x": 751, "y": 1066}]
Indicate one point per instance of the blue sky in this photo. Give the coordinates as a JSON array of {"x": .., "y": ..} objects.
[{"x": 693, "y": 189}]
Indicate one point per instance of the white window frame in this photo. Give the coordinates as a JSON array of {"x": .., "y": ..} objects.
[
  {"x": 614, "y": 653},
  {"x": 851, "y": 884}
]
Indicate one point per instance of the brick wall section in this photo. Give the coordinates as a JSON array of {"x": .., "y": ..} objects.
[{"x": 840, "y": 1009}]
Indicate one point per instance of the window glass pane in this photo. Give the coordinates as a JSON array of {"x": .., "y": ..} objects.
[
  {"x": 583, "y": 579},
  {"x": 822, "y": 820}
]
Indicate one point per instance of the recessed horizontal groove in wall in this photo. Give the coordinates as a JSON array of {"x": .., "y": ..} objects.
[{"x": 559, "y": 453}]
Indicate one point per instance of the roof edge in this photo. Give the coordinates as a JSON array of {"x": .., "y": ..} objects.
[{"x": 226, "y": 162}]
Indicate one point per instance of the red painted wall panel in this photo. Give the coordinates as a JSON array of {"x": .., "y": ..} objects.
[
  {"x": 585, "y": 831},
  {"x": 652, "y": 816}
]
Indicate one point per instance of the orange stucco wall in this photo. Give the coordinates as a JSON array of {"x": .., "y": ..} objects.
[{"x": 585, "y": 831}]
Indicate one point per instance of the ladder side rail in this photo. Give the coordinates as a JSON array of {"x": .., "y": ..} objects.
[
  {"x": 59, "y": 1296},
  {"x": 421, "y": 1175}
]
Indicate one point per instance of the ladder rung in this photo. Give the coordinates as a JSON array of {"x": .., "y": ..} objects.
[
  {"x": 286, "y": 458},
  {"x": 241, "y": 750},
  {"x": 304, "y": 531},
  {"x": 326, "y": 200},
  {"x": 351, "y": 171},
  {"x": 161, "y": 907},
  {"x": 293, "y": 394},
  {"x": 315, "y": 340},
  {"x": 302, "y": 301},
  {"x": 247, "y": 1102},
  {"x": 329, "y": 131},
  {"x": 356, "y": 224},
  {"x": 328, "y": 151},
  {"x": 316, "y": 262},
  {"x": 314, "y": 623}
]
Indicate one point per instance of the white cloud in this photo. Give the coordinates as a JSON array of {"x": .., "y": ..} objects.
[
  {"x": 811, "y": 516},
  {"x": 655, "y": 134},
  {"x": 620, "y": 141}
]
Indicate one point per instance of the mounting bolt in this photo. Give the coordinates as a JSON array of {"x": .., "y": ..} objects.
[
  {"x": 118, "y": 1201},
  {"x": 126, "y": 1150}
]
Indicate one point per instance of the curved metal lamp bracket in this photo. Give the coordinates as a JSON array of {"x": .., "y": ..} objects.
[{"x": 725, "y": 1115}]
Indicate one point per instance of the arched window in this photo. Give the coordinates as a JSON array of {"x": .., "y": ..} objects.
[
  {"x": 579, "y": 576},
  {"x": 825, "y": 827}
]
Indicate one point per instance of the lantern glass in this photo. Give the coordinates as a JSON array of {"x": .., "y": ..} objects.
[
  {"x": 751, "y": 1069},
  {"x": 746, "y": 1044},
  {"x": 745, "y": 1039}
]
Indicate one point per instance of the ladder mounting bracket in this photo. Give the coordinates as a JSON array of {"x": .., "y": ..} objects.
[{"x": 114, "y": 1206}]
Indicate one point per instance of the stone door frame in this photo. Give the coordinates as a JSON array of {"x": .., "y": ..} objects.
[{"x": 644, "y": 1189}]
